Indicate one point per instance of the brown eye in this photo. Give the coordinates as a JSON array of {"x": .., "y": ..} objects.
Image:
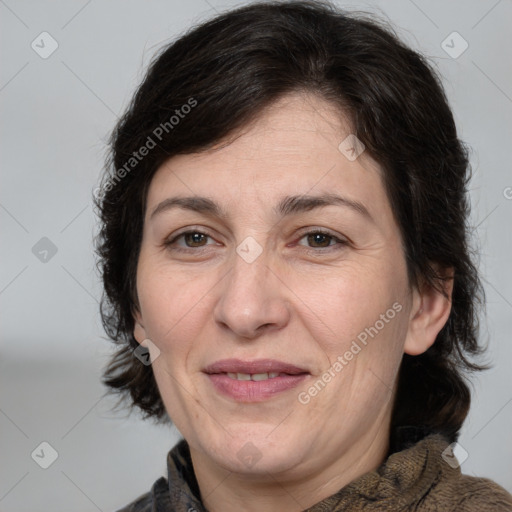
[
  {"x": 189, "y": 240},
  {"x": 319, "y": 239},
  {"x": 322, "y": 240},
  {"x": 194, "y": 238}
]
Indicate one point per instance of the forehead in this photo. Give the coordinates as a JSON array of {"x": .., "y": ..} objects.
[{"x": 296, "y": 146}]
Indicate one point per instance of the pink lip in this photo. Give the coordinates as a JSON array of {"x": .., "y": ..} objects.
[
  {"x": 249, "y": 390},
  {"x": 256, "y": 366}
]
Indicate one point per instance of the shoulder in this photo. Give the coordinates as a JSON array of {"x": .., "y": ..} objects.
[
  {"x": 470, "y": 493},
  {"x": 424, "y": 479},
  {"x": 143, "y": 503},
  {"x": 147, "y": 501}
]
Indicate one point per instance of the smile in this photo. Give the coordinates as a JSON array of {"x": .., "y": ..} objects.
[
  {"x": 253, "y": 381},
  {"x": 254, "y": 376}
]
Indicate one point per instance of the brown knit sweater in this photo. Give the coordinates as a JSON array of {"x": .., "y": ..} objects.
[{"x": 414, "y": 479}]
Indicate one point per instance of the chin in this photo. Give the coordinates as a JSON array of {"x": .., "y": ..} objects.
[{"x": 253, "y": 453}]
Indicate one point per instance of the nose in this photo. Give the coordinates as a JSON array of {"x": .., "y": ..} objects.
[{"x": 253, "y": 300}]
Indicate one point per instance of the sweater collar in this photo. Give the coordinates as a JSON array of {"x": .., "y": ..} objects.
[{"x": 414, "y": 465}]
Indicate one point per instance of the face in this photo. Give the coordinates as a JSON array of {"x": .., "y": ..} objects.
[{"x": 278, "y": 304}]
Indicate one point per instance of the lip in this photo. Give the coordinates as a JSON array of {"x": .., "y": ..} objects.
[
  {"x": 254, "y": 391},
  {"x": 255, "y": 366}
]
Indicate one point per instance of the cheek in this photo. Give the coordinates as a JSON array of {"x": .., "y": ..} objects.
[
  {"x": 171, "y": 304},
  {"x": 352, "y": 303}
]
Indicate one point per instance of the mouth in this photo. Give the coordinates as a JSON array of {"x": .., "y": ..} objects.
[
  {"x": 254, "y": 381},
  {"x": 255, "y": 376}
]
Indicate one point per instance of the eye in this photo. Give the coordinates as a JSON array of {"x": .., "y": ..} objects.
[
  {"x": 322, "y": 239},
  {"x": 191, "y": 239},
  {"x": 194, "y": 239}
]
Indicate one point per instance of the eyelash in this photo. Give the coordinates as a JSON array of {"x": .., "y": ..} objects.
[{"x": 340, "y": 242}]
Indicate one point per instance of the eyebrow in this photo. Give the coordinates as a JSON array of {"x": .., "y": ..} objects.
[{"x": 288, "y": 205}]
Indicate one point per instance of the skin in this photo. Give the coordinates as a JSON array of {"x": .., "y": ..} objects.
[{"x": 303, "y": 300}]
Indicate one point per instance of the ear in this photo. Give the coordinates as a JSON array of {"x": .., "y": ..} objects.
[
  {"x": 139, "y": 332},
  {"x": 429, "y": 313}
]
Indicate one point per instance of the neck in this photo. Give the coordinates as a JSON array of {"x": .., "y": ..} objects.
[{"x": 294, "y": 491}]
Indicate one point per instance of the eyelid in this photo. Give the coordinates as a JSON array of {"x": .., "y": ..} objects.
[
  {"x": 189, "y": 229},
  {"x": 317, "y": 229},
  {"x": 309, "y": 230},
  {"x": 341, "y": 241},
  {"x": 324, "y": 231}
]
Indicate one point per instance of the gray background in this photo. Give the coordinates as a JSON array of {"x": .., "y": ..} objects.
[{"x": 56, "y": 114}]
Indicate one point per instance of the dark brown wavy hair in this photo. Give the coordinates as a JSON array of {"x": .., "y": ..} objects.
[{"x": 231, "y": 68}]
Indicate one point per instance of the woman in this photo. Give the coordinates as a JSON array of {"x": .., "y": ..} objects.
[{"x": 286, "y": 267}]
